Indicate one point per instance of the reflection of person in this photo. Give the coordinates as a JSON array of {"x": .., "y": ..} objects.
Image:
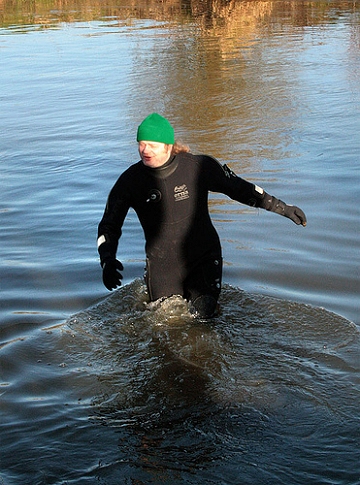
[{"x": 168, "y": 189}]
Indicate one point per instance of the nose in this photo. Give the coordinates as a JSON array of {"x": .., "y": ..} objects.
[{"x": 145, "y": 149}]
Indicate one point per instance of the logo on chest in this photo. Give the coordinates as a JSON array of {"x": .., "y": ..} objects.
[{"x": 181, "y": 192}]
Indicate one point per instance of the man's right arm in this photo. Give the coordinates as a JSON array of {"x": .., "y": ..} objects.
[{"x": 109, "y": 232}]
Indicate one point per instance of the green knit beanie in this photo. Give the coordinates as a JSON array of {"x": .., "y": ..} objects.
[{"x": 156, "y": 128}]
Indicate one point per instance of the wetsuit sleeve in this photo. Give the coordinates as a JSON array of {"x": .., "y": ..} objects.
[
  {"x": 110, "y": 226},
  {"x": 227, "y": 182},
  {"x": 222, "y": 179}
]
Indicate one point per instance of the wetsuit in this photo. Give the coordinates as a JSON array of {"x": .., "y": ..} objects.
[{"x": 183, "y": 252}]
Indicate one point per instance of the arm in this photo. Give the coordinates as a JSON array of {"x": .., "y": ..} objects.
[
  {"x": 272, "y": 204},
  {"x": 109, "y": 232},
  {"x": 250, "y": 194}
]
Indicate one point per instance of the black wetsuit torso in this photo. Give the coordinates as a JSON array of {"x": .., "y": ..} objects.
[{"x": 172, "y": 206}]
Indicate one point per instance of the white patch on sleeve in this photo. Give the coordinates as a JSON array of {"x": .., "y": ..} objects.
[
  {"x": 101, "y": 240},
  {"x": 259, "y": 189}
]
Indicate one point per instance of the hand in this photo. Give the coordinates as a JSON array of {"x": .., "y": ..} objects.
[
  {"x": 111, "y": 274},
  {"x": 295, "y": 214}
]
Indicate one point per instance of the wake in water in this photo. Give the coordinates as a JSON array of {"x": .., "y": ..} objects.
[
  {"x": 258, "y": 350},
  {"x": 131, "y": 392},
  {"x": 264, "y": 388}
]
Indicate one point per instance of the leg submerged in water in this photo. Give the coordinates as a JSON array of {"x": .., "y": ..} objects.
[
  {"x": 203, "y": 287},
  {"x": 204, "y": 306}
]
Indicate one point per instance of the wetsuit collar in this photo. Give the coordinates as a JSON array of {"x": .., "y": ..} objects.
[{"x": 166, "y": 169}]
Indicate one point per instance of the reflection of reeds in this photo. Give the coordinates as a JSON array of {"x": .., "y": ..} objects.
[{"x": 209, "y": 14}]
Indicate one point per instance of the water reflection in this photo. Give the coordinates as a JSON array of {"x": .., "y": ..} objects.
[
  {"x": 210, "y": 14},
  {"x": 223, "y": 62}
]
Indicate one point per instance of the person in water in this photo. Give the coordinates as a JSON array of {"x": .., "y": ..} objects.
[{"x": 168, "y": 189}]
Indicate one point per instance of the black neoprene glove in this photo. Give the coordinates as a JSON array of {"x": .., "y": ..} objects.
[
  {"x": 294, "y": 213},
  {"x": 111, "y": 273},
  {"x": 291, "y": 211}
]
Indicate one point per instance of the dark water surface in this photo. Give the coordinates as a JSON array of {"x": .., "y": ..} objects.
[{"x": 108, "y": 389}]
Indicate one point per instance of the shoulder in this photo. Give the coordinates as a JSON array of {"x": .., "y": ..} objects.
[
  {"x": 137, "y": 167},
  {"x": 211, "y": 166},
  {"x": 212, "y": 173},
  {"x": 199, "y": 159},
  {"x": 127, "y": 181},
  {"x": 131, "y": 172}
]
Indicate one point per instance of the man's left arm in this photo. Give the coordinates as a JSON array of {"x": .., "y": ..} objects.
[
  {"x": 272, "y": 204},
  {"x": 239, "y": 189}
]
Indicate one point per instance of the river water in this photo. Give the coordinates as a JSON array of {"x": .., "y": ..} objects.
[{"x": 105, "y": 388}]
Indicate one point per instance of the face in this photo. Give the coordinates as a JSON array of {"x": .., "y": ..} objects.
[{"x": 154, "y": 154}]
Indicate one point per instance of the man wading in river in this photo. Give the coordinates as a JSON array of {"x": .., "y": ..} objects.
[{"x": 168, "y": 189}]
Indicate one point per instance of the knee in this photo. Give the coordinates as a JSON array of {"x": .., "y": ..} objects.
[{"x": 204, "y": 306}]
